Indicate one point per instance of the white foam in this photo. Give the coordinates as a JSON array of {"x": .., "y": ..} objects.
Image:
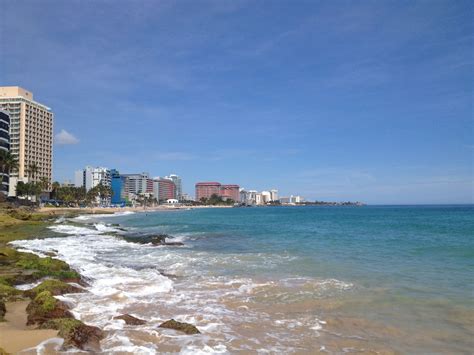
[{"x": 195, "y": 350}]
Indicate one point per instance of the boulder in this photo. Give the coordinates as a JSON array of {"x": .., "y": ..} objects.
[
  {"x": 3, "y": 310},
  {"x": 76, "y": 334},
  {"x": 157, "y": 239},
  {"x": 180, "y": 326},
  {"x": 45, "y": 307},
  {"x": 55, "y": 287},
  {"x": 130, "y": 320}
]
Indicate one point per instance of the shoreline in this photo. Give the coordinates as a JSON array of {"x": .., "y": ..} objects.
[
  {"x": 15, "y": 335},
  {"x": 23, "y": 268},
  {"x": 111, "y": 210}
]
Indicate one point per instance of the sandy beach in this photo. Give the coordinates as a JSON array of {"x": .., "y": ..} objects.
[
  {"x": 111, "y": 210},
  {"x": 15, "y": 336}
]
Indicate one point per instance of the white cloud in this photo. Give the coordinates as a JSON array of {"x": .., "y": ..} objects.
[{"x": 64, "y": 137}]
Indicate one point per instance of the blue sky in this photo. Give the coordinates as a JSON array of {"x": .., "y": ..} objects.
[{"x": 333, "y": 100}]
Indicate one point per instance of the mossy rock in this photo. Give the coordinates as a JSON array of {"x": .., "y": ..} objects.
[
  {"x": 181, "y": 326},
  {"x": 46, "y": 266},
  {"x": 76, "y": 334},
  {"x": 45, "y": 307},
  {"x": 8, "y": 292},
  {"x": 130, "y": 320},
  {"x": 55, "y": 287}
]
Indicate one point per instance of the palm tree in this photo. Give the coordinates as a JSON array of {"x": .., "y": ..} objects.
[
  {"x": 8, "y": 162},
  {"x": 32, "y": 170}
]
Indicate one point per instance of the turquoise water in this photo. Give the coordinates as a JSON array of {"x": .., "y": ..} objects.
[
  {"x": 411, "y": 266},
  {"x": 418, "y": 250},
  {"x": 373, "y": 279}
]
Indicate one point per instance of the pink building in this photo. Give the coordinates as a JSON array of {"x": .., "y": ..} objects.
[
  {"x": 207, "y": 189},
  {"x": 230, "y": 192}
]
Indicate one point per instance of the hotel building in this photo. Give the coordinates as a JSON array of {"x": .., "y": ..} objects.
[
  {"x": 207, "y": 189},
  {"x": 4, "y": 147},
  {"x": 31, "y": 134},
  {"x": 139, "y": 184},
  {"x": 165, "y": 189},
  {"x": 90, "y": 177},
  {"x": 230, "y": 192},
  {"x": 177, "y": 182}
]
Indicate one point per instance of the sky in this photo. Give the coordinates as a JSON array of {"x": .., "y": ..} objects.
[{"x": 332, "y": 100}]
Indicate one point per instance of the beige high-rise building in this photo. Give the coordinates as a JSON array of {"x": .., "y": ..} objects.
[{"x": 31, "y": 134}]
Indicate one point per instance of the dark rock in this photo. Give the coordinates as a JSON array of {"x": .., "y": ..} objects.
[
  {"x": 45, "y": 307},
  {"x": 182, "y": 327},
  {"x": 3, "y": 310},
  {"x": 173, "y": 244},
  {"x": 131, "y": 320},
  {"x": 76, "y": 334}
]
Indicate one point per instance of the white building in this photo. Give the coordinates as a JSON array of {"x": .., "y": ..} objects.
[
  {"x": 266, "y": 197},
  {"x": 273, "y": 195},
  {"x": 90, "y": 177}
]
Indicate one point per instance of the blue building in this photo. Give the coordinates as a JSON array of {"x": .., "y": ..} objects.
[{"x": 119, "y": 188}]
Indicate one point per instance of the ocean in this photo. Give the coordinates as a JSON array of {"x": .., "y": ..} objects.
[{"x": 279, "y": 280}]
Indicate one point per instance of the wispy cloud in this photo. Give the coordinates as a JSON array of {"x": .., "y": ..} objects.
[{"x": 65, "y": 138}]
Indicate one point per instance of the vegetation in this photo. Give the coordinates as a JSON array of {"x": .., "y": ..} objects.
[
  {"x": 8, "y": 163},
  {"x": 182, "y": 327},
  {"x": 216, "y": 200},
  {"x": 55, "y": 287},
  {"x": 46, "y": 302},
  {"x": 77, "y": 196}
]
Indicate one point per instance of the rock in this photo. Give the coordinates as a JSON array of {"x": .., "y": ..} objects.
[
  {"x": 3, "y": 310},
  {"x": 173, "y": 244},
  {"x": 131, "y": 320},
  {"x": 8, "y": 292},
  {"x": 76, "y": 334},
  {"x": 182, "y": 327},
  {"x": 55, "y": 287},
  {"x": 45, "y": 307}
]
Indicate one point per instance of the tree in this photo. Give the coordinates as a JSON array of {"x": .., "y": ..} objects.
[
  {"x": 32, "y": 170},
  {"x": 8, "y": 163}
]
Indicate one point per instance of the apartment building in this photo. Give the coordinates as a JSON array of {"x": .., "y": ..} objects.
[
  {"x": 90, "y": 177},
  {"x": 4, "y": 148},
  {"x": 31, "y": 135}
]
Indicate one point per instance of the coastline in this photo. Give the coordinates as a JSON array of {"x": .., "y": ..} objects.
[
  {"x": 20, "y": 269},
  {"x": 15, "y": 336},
  {"x": 21, "y": 273},
  {"x": 58, "y": 211}
]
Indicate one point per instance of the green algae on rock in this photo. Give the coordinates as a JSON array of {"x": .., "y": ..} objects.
[
  {"x": 76, "y": 334},
  {"x": 45, "y": 307},
  {"x": 181, "y": 326},
  {"x": 55, "y": 287}
]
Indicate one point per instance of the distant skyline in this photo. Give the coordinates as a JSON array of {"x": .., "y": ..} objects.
[{"x": 331, "y": 100}]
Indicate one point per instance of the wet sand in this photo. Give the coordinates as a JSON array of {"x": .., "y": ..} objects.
[{"x": 15, "y": 335}]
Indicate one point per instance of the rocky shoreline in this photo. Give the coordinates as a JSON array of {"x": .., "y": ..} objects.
[{"x": 52, "y": 277}]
